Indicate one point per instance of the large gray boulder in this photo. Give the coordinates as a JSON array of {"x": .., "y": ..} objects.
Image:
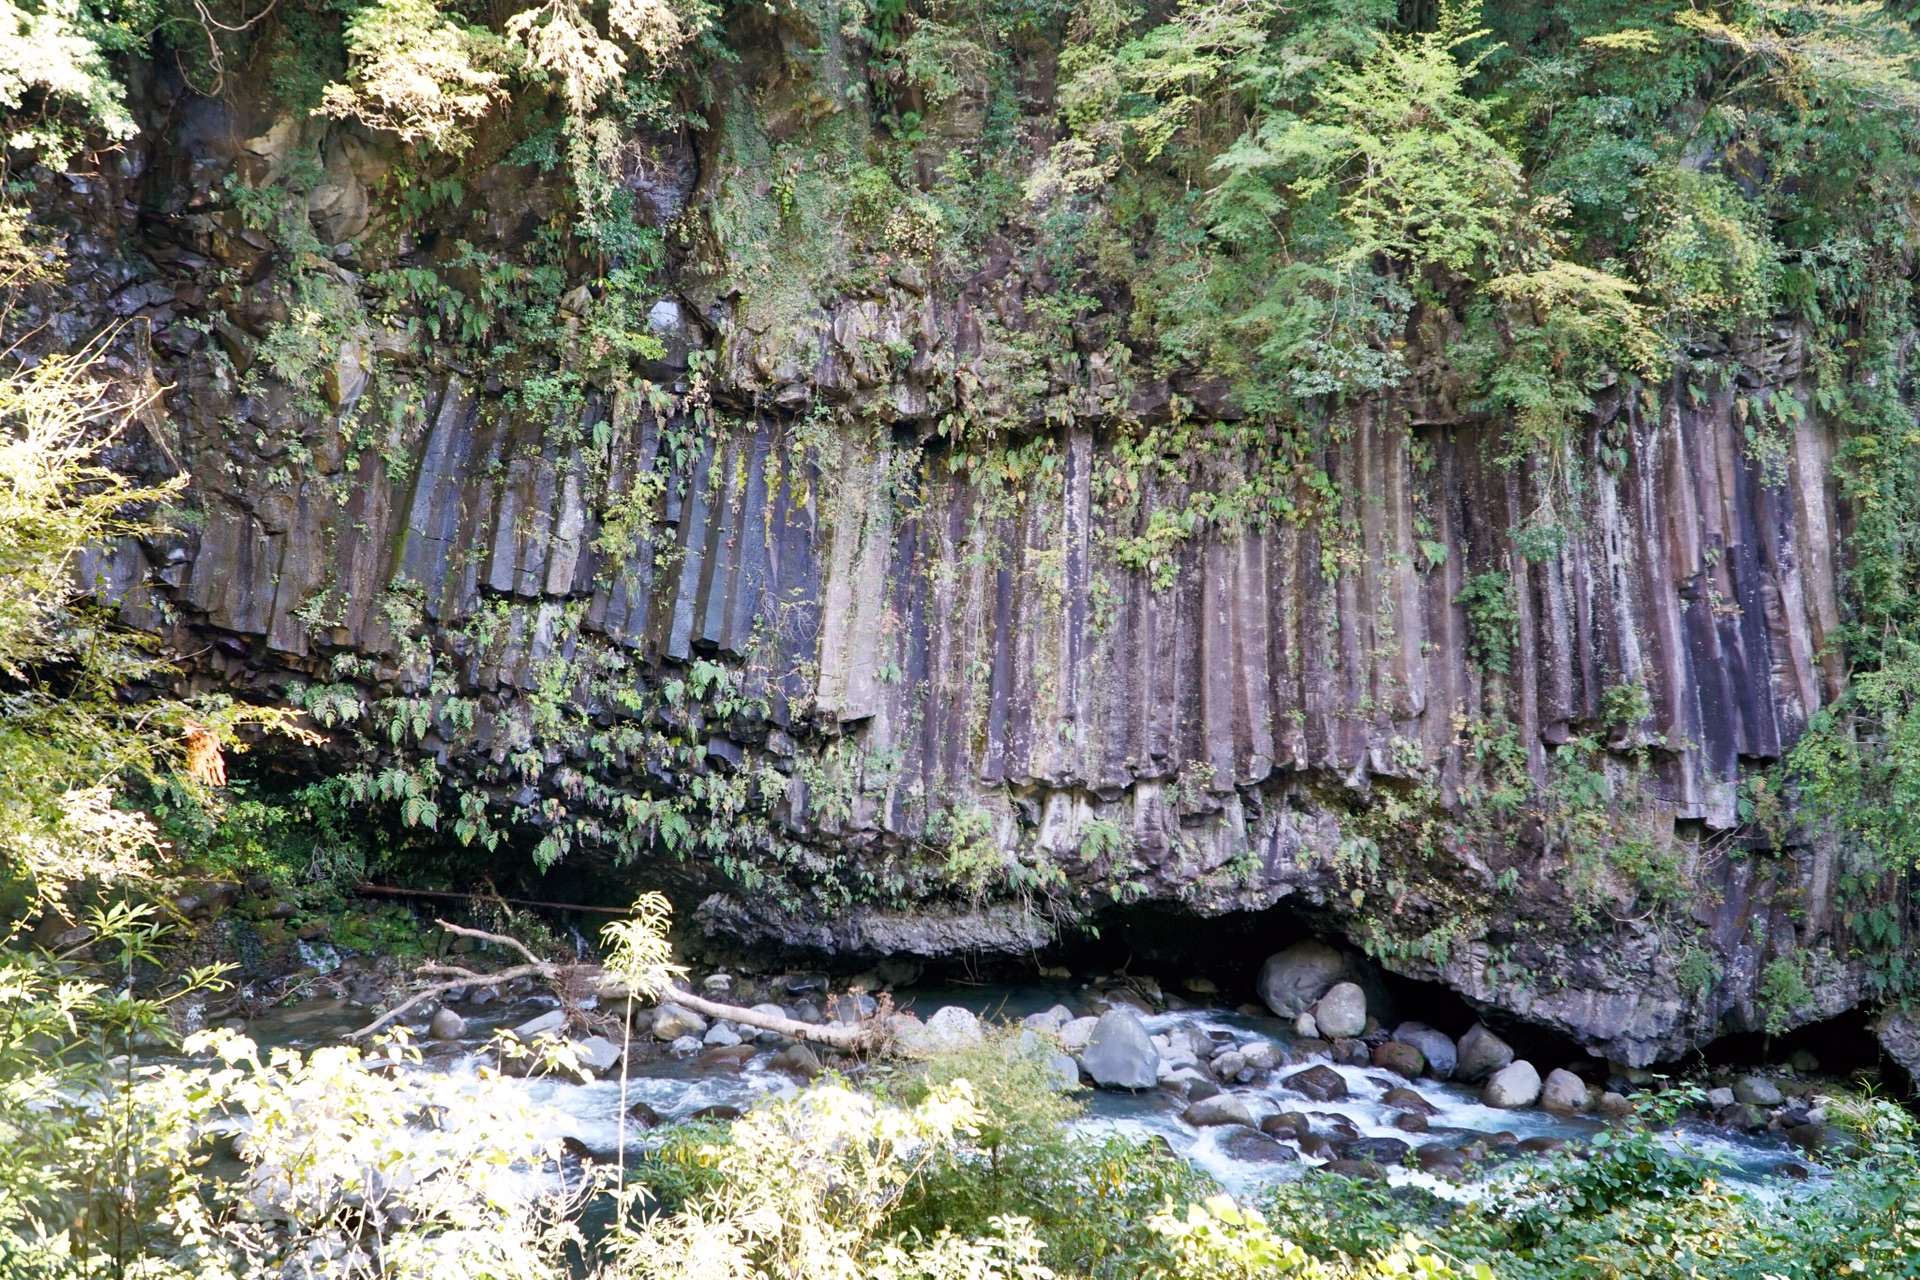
[
  {"x": 1481, "y": 1054},
  {"x": 1342, "y": 1012},
  {"x": 951, "y": 1028},
  {"x": 448, "y": 1025},
  {"x": 1435, "y": 1046},
  {"x": 1074, "y": 1036},
  {"x": 1321, "y": 1083},
  {"x": 1222, "y": 1108},
  {"x": 1563, "y": 1092},
  {"x": 1515, "y": 1085},
  {"x": 675, "y": 1022},
  {"x": 597, "y": 1053},
  {"x": 1898, "y": 1030},
  {"x": 1756, "y": 1091},
  {"x": 1120, "y": 1053},
  {"x": 550, "y": 1023},
  {"x": 1292, "y": 980}
]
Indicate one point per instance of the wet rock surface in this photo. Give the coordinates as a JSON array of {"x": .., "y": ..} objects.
[
  {"x": 1515, "y": 1085},
  {"x": 1119, "y": 1053}
]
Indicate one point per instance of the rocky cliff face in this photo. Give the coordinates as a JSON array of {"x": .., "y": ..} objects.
[{"x": 910, "y": 696}]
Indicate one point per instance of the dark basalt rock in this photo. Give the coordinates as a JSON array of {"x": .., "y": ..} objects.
[
  {"x": 1362, "y": 1170},
  {"x": 1289, "y": 1125},
  {"x": 1322, "y": 1084},
  {"x": 1256, "y": 1148},
  {"x": 1377, "y": 1150}
]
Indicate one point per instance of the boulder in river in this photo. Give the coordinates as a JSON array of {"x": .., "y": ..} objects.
[
  {"x": 644, "y": 1116},
  {"x": 1263, "y": 1055},
  {"x": 1342, "y": 1011},
  {"x": 1400, "y": 1058},
  {"x": 1063, "y": 1073},
  {"x": 1378, "y": 1150},
  {"x": 798, "y": 1061},
  {"x": 1515, "y": 1085},
  {"x": 597, "y": 1053},
  {"x": 672, "y": 1021},
  {"x": 1808, "y": 1137},
  {"x": 1563, "y": 1092},
  {"x": 552, "y": 1022},
  {"x": 1075, "y": 1034},
  {"x": 1315, "y": 1147},
  {"x": 1290, "y": 1125},
  {"x": 1614, "y": 1106},
  {"x": 1435, "y": 1046},
  {"x": 1230, "y": 1065},
  {"x": 1255, "y": 1148},
  {"x": 1196, "y": 1085},
  {"x": 950, "y": 1028},
  {"x": 1222, "y": 1108},
  {"x": 1120, "y": 1053},
  {"x": 1481, "y": 1054},
  {"x": 1362, "y": 1170},
  {"x": 448, "y": 1025},
  {"x": 728, "y": 1057},
  {"x": 1292, "y": 980},
  {"x": 1306, "y": 1028},
  {"x": 1049, "y": 1019},
  {"x": 1401, "y": 1098},
  {"x": 1756, "y": 1091},
  {"x": 1321, "y": 1083},
  {"x": 720, "y": 1036}
]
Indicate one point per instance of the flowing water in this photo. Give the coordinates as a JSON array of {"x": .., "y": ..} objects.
[{"x": 589, "y": 1114}]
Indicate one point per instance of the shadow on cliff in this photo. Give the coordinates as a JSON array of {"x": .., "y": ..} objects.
[{"x": 1841, "y": 1046}]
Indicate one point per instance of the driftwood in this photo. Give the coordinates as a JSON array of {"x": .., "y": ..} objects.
[{"x": 865, "y": 1035}]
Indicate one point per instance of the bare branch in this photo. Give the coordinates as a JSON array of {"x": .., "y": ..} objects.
[
  {"x": 465, "y": 978},
  {"x": 865, "y": 1035},
  {"x": 500, "y": 938}
]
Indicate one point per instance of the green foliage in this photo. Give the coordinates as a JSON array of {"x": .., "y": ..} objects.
[
  {"x": 1784, "y": 990},
  {"x": 1625, "y": 707},
  {"x": 67, "y": 733},
  {"x": 1698, "y": 973},
  {"x": 1632, "y": 1205},
  {"x": 418, "y": 73},
  {"x": 57, "y": 82},
  {"x": 1418, "y": 178},
  {"x": 1492, "y": 618},
  {"x": 1089, "y": 1198},
  {"x": 1222, "y": 1238},
  {"x": 1710, "y": 255}
]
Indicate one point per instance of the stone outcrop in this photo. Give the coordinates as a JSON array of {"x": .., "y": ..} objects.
[{"x": 920, "y": 648}]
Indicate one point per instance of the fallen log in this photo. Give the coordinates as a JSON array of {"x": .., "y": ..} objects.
[{"x": 866, "y": 1036}]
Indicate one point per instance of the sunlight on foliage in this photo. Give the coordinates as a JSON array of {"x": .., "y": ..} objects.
[{"x": 418, "y": 73}]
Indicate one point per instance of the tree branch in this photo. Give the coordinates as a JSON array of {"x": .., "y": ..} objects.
[
  {"x": 499, "y": 938},
  {"x": 865, "y": 1036},
  {"x": 465, "y": 977}
]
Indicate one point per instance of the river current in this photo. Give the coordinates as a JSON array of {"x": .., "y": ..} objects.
[{"x": 589, "y": 1114}]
